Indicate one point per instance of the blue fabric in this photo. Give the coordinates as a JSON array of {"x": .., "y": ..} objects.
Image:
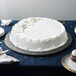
[{"x": 51, "y": 60}]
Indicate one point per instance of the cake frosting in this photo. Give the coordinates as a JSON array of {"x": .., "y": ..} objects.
[{"x": 38, "y": 34}]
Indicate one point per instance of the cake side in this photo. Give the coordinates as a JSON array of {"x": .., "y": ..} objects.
[{"x": 39, "y": 46}]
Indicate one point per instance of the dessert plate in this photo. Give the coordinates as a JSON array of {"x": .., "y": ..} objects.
[
  {"x": 18, "y": 50},
  {"x": 69, "y": 64}
]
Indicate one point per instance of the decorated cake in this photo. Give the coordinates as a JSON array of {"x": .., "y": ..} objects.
[{"x": 38, "y": 34}]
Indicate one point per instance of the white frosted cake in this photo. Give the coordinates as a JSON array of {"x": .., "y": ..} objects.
[{"x": 38, "y": 34}]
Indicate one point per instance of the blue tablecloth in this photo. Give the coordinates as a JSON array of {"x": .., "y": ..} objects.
[{"x": 51, "y": 60}]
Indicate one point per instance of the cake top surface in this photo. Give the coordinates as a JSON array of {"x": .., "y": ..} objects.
[
  {"x": 38, "y": 28},
  {"x": 74, "y": 52}
]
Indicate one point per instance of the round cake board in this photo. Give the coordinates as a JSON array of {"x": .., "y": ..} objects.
[{"x": 27, "y": 52}]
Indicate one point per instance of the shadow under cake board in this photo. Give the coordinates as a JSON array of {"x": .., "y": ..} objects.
[{"x": 10, "y": 45}]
